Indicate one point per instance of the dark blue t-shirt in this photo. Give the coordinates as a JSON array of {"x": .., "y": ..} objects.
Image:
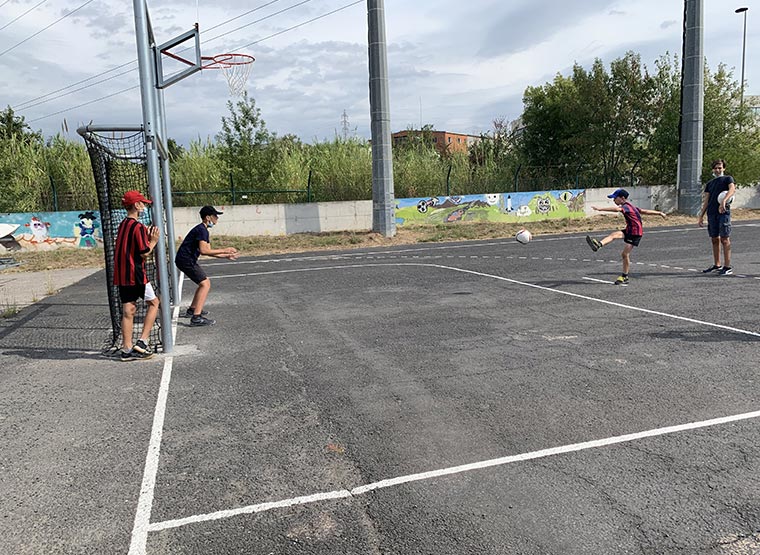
[
  {"x": 715, "y": 187},
  {"x": 190, "y": 250}
]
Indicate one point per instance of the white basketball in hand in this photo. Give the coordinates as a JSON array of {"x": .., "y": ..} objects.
[{"x": 523, "y": 236}]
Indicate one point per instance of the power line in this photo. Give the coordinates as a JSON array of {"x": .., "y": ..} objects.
[
  {"x": 4, "y": 3},
  {"x": 22, "y": 15},
  {"x": 45, "y": 28},
  {"x": 130, "y": 70},
  {"x": 302, "y": 24},
  {"x": 246, "y": 46},
  {"x": 33, "y": 102},
  {"x": 85, "y": 103}
]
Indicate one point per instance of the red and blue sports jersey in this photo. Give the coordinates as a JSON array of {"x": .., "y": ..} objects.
[
  {"x": 132, "y": 242},
  {"x": 633, "y": 224}
]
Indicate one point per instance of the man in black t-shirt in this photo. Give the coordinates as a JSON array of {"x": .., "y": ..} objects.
[
  {"x": 196, "y": 243},
  {"x": 718, "y": 217}
]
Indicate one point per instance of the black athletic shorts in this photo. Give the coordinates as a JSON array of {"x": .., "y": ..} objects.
[
  {"x": 130, "y": 293},
  {"x": 194, "y": 272},
  {"x": 631, "y": 239}
]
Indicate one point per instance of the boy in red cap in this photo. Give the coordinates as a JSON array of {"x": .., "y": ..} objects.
[
  {"x": 631, "y": 235},
  {"x": 134, "y": 244},
  {"x": 196, "y": 243}
]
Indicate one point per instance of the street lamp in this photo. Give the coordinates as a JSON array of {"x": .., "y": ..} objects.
[{"x": 744, "y": 50}]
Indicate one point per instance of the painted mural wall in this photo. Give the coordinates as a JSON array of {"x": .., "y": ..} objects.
[
  {"x": 39, "y": 231},
  {"x": 51, "y": 230},
  {"x": 497, "y": 207}
]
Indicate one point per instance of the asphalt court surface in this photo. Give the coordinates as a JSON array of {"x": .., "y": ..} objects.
[{"x": 480, "y": 397}]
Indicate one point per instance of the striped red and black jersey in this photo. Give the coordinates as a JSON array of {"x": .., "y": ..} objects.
[
  {"x": 131, "y": 242},
  {"x": 633, "y": 223}
]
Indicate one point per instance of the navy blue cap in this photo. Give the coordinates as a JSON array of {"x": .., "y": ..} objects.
[{"x": 619, "y": 193}]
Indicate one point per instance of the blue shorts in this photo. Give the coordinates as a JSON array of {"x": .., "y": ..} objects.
[{"x": 719, "y": 225}]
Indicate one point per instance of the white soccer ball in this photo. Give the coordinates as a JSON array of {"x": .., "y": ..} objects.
[
  {"x": 722, "y": 195},
  {"x": 523, "y": 236}
]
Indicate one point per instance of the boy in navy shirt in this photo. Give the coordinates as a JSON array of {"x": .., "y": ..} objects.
[
  {"x": 196, "y": 243},
  {"x": 631, "y": 235},
  {"x": 718, "y": 217}
]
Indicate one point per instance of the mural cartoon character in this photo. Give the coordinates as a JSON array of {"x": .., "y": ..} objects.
[
  {"x": 39, "y": 230},
  {"x": 544, "y": 204},
  {"x": 84, "y": 231}
]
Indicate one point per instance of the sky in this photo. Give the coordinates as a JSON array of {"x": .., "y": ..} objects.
[{"x": 454, "y": 65}]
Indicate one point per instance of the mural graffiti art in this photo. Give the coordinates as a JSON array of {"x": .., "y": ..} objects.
[
  {"x": 49, "y": 230},
  {"x": 498, "y": 207}
]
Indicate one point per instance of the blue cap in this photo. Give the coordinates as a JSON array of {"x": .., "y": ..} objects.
[{"x": 619, "y": 193}]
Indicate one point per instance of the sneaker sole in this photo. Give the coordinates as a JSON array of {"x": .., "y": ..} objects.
[
  {"x": 591, "y": 244},
  {"x": 202, "y": 324}
]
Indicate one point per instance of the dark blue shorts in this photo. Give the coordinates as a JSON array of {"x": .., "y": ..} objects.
[
  {"x": 194, "y": 272},
  {"x": 719, "y": 225}
]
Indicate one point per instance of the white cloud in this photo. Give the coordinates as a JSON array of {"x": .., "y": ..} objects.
[{"x": 458, "y": 64}]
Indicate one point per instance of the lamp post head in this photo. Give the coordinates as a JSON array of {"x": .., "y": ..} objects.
[{"x": 740, "y": 10}]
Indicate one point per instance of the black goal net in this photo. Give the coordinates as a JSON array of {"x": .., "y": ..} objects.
[{"x": 119, "y": 164}]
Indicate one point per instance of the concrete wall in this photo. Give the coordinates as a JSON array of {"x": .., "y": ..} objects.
[{"x": 283, "y": 219}]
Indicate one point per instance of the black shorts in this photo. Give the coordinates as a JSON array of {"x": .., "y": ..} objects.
[
  {"x": 130, "y": 293},
  {"x": 194, "y": 272},
  {"x": 631, "y": 239}
]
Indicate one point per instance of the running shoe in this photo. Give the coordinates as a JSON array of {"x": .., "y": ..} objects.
[
  {"x": 201, "y": 321},
  {"x": 190, "y": 312},
  {"x": 593, "y": 243}
]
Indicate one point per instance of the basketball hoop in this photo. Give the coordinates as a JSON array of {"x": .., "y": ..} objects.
[{"x": 236, "y": 69}]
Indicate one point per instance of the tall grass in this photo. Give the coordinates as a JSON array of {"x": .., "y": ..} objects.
[{"x": 338, "y": 170}]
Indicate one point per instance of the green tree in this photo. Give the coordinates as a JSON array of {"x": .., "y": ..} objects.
[
  {"x": 12, "y": 125},
  {"x": 243, "y": 141}
]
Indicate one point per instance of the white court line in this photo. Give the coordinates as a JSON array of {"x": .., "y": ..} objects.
[
  {"x": 501, "y": 242},
  {"x": 139, "y": 542},
  {"x": 509, "y": 280},
  {"x": 501, "y": 461},
  {"x": 142, "y": 525},
  {"x": 598, "y": 280}
]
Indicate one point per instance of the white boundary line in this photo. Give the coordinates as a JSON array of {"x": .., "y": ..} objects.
[
  {"x": 139, "y": 542},
  {"x": 142, "y": 525},
  {"x": 360, "y": 490},
  {"x": 501, "y": 278},
  {"x": 598, "y": 280},
  {"x": 447, "y": 246}
]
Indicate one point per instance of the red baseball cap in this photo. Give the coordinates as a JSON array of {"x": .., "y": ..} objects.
[{"x": 133, "y": 197}]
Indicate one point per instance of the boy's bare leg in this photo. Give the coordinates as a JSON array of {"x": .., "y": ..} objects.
[
  {"x": 199, "y": 299},
  {"x": 716, "y": 250},
  {"x": 726, "y": 242},
  {"x": 150, "y": 318},
  {"x": 127, "y": 318},
  {"x": 611, "y": 237},
  {"x": 626, "y": 256}
]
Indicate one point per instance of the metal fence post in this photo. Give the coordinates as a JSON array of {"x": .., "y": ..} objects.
[
  {"x": 448, "y": 182},
  {"x": 308, "y": 188},
  {"x": 55, "y": 194},
  {"x": 232, "y": 189}
]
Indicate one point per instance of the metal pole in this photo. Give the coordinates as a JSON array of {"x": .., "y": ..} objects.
[
  {"x": 744, "y": 51},
  {"x": 151, "y": 126},
  {"x": 692, "y": 110},
  {"x": 176, "y": 298},
  {"x": 383, "y": 202}
]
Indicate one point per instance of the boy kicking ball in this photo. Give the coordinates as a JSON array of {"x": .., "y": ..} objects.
[
  {"x": 196, "y": 243},
  {"x": 632, "y": 233}
]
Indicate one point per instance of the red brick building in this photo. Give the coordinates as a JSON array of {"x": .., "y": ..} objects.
[{"x": 444, "y": 141}]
